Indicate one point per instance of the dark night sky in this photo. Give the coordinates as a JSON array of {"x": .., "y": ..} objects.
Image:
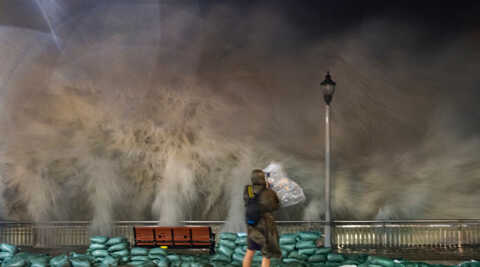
[{"x": 314, "y": 18}]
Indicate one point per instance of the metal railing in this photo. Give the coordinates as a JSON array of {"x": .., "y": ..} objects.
[{"x": 390, "y": 234}]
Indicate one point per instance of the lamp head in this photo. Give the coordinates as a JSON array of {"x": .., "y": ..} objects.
[{"x": 328, "y": 88}]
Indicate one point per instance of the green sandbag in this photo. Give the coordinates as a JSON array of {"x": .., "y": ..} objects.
[
  {"x": 39, "y": 261},
  {"x": 257, "y": 258},
  {"x": 156, "y": 257},
  {"x": 115, "y": 240},
  {"x": 100, "y": 253},
  {"x": 238, "y": 257},
  {"x": 117, "y": 247},
  {"x": 276, "y": 262},
  {"x": 241, "y": 242},
  {"x": 139, "y": 258},
  {"x": 138, "y": 251},
  {"x": 287, "y": 239},
  {"x": 305, "y": 236},
  {"x": 221, "y": 257},
  {"x": 8, "y": 248},
  {"x": 98, "y": 239},
  {"x": 219, "y": 264},
  {"x": 173, "y": 257},
  {"x": 80, "y": 261},
  {"x": 187, "y": 258},
  {"x": 120, "y": 253},
  {"x": 158, "y": 251},
  {"x": 124, "y": 259},
  {"x": 305, "y": 244},
  {"x": 98, "y": 260},
  {"x": 141, "y": 263},
  {"x": 14, "y": 262},
  {"x": 350, "y": 262},
  {"x": 307, "y": 251},
  {"x": 296, "y": 255},
  {"x": 25, "y": 255},
  {"x": 59, "y": 261},
  {"x": 39, "y": 264},
  {"x": 323, "y": 250},
  {"x": 224, "y": 251},
  {"x": 317, "y": 258},
  {"x": 288, "y": 247},
  {"x": 4, "y": 255},
  {"x": 291, "y": 260},
  {"x": 386, "y": 262},
  {"x": 242, "y": 235},
  {"x": 75, "y": 255},
  {"x": 240, "y": 250},
  {"x": 161, "y": 262},
  {"x": 228, "y": 236},
  {"x": 110, "y": 261},
  {"x": 361, "y": 258},
  {"x": 227, "y": 243},
  {"x": 335, "y": 257}
]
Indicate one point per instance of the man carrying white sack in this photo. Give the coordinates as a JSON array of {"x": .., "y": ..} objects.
[{"x": 262, "y": 233}]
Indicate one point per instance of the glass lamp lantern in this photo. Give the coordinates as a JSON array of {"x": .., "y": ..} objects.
[{"x": 328, "y": 88}]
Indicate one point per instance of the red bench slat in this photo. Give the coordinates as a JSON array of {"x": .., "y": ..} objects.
[{"x": 175, "y": 237}]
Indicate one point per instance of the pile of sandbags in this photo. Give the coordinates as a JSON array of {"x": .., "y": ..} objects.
[
  {"x": 76, "y": 260},
  {"x": 189, "y": 261},
  {"x": 224, "y": 250},
  {"x": 108, "y": 251},
  {"x": 298, "y": 250},
  {"x": 161, "y": 258},
  {"x": 231, "y": 249},
  {"x": 38, "y": 260},
  {"x": 301, "y": 248},
  {"x": 7, "y": 251},
  {"x": 10, "y": 257}
]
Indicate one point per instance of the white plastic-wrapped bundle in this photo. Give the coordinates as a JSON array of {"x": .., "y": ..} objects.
[{"x": 289, "y": 192}]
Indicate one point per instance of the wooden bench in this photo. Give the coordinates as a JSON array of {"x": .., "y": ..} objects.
[{"x": 178, "y": 237}]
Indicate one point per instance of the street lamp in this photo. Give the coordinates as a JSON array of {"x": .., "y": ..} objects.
[{"x": 328, "y": 88}]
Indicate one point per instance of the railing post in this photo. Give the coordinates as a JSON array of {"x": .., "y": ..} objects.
[
  {"x": 460, "y": 235},
  {"x": 384, "y": 237}
]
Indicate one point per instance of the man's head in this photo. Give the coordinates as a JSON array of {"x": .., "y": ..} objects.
[{"x": 258, "y": 177}]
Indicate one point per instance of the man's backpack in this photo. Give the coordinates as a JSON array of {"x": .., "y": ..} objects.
[{"x": 254, "y": 209}]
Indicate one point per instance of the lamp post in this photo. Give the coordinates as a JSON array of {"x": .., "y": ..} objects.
[{"x": 328, "y": 88}]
